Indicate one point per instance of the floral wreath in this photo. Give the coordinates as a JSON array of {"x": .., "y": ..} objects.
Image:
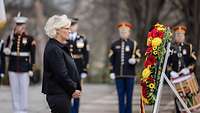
[{"x": 157, "y": 40}]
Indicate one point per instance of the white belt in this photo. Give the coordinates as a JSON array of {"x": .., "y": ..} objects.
[{"x": 20, "y": 54}]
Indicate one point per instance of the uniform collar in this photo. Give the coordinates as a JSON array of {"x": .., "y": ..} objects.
[
  {"x": 125, "y": 40},
  {"x": 73, "y": 35},
  {"x": 16, "y": 35},
  {"x": 180, "y": 44}
]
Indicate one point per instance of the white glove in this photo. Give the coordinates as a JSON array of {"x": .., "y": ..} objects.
[
  {"x": 132, "y": 61},
  {"x": 83, "y": 75},
  {"x": 30, "y": 73},
  {"x": 185, "y": 71},
  {"x": 2, "y": 75},
  {"x": 174, "y": 74},
  {"x": 112, "y": 76},
  {"x": 7, "y": 51}
]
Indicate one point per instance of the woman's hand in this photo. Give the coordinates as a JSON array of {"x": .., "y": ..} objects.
[{"x": 76, "y": 94}]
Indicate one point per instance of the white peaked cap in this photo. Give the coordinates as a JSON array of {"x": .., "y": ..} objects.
[
  {"x": 20, "y": 19},
  {"x": 56, "y": 22}
]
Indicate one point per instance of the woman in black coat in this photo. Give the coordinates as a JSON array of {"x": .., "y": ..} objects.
[{"x": 61, "y": 80}]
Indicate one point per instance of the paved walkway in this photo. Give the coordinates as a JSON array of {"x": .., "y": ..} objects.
[{"x": 96, "y": 98}]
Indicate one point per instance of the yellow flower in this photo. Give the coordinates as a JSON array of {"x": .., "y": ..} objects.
[
  {"x": 146, "y": 73},
  {"x": 161, "y": 29},
  {"x": 151, "y": 85},
  {"x": 149, "y": 41},
  {"x": 155, "y": 52},
  {"x": 154, "y": 48},
  {"x": 159, "y": 25},
  {"x": 145, "y": 100},
  {"x": 156, "y": 42}
]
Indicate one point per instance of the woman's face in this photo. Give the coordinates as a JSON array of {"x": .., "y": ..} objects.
[{"x": 63, "y": 32}]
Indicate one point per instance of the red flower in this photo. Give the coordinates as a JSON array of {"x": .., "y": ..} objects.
[
  {"x": 149, "y": 34},
  {"x": 151, "y": 80},
  {"x": 151, "y": 60},
  {"x": 160, "y": 34},
  {"x": 143, "y": 83},
  {"x": 149, "y": 50},
  {"x": 144, "y": 92},
  {"x": 156, "y": 33}
]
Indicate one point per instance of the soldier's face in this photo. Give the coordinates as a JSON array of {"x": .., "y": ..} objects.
[
  {"x": 179, "y": 37},
  {"x": 74, "y": 28},
  {"x": 124, "y": 32},
  {"x": 20, "y": 29}
]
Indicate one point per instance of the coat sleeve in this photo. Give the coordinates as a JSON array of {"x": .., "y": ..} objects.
[
  {"x": 2, "y": 58},
  {"x": 136, "y": 52},
  {"x": 60, "y": 71},
  {"x": 86, "y": 50},
  {"x": 169, "y": 65},
  {"x": 32, "y": 51},
  {"x": 193, "y": 58},
  {"x": 111, "y": 57},
  {"x": 7, "y": 42}
]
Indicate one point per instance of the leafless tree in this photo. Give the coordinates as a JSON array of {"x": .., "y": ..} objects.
[{"x": 145, "y": 13}]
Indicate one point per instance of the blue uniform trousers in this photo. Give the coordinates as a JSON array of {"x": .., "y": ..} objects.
[
  {"x": 125, "y": 88},
  {"x": 75, "y": 105}
]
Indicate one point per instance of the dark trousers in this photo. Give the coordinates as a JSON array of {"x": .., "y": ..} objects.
[
  {"x": 125, "y": 91},
  {"x": 59, "y": 103},
  {"x": 75, "y": 105}
]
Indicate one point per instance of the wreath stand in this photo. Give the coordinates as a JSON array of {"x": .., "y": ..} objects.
[{"x": 164, "y": 77}]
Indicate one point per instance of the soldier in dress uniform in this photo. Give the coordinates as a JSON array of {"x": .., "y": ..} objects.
[
  {"x": 79, "y": 49},
  {"x": 20, "y": 48},
  {"x": 124, "y": 55},
  {"x": 182, "y": 58}
]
